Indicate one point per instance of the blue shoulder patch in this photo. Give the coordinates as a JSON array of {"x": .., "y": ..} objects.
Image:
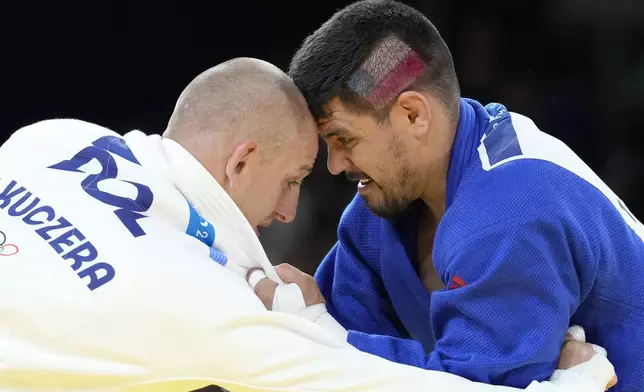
[
  {"x": 204, "y": 231},
  {"x": 200, "y": 228},
  {"x": 501, "y": 142}
]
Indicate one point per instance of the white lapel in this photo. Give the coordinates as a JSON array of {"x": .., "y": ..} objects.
[{"x": 234, "y": 235}]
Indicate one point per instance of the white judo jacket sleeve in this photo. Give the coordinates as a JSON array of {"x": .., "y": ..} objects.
[{"x": 242, "y": 347}]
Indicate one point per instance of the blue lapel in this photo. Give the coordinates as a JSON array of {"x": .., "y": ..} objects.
[{"x": 406, "y": 292}]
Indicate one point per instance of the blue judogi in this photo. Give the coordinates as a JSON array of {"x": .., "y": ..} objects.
[{"x": 532, "y": 241}]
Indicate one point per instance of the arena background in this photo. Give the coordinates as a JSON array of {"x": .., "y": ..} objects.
[{"x": 575, "y": 66}]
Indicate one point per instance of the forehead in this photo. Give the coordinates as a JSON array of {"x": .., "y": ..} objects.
[
  {"x": 342, "y": 121},
  {"x": 302, "y": 150}
]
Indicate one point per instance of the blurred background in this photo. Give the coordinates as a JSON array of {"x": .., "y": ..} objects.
[{"x": 575, "y": 66}]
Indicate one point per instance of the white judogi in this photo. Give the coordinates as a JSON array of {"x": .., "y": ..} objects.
[{"x": 115, "y": 284}]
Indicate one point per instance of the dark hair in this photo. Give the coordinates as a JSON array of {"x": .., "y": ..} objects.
[{"x": 328, "y": 58}]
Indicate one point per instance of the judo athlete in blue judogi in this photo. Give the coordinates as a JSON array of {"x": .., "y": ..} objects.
[{"x": 475, "y": 239}]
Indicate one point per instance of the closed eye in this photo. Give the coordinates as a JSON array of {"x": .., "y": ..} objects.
[
  {"x": 343, "y": 140},
  {"x": 347, "y": 142}
]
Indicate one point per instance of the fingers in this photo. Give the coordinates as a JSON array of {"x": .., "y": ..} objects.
[
  {"x": 288, "y": 273},
  {"x": 575, "y": 333},
  {"x": 598, "y": 370},
  {"x": 306, "y": 283},
  {"x": 264, "y": 287},
  {"x": 574, "y": 353},
  {"x": 600, "y": 350}
]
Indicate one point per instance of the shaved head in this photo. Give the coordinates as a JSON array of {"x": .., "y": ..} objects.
[
  {"x": 248, "y": 124},
  {"x": 238, "y": 99}
]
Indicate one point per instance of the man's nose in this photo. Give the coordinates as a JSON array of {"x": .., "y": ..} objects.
[
  {"x": 288, "y": 207},
  {"x": 336, "y": 161}
]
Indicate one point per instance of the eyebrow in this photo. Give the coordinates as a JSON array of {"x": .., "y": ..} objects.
[{"x": 336, "y": 131}]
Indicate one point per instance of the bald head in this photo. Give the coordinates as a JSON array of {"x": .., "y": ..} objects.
[
  {"x": 249, "y": 126},
  {"x": 238, "y": 99}
]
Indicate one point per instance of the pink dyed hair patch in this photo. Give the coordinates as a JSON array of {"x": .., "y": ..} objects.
[{"x": 390, "y": 68}]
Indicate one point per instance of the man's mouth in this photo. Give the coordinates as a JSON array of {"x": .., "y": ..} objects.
[
  {"x": 364, "y": 183},
  {"x": 361, "y": 177}
]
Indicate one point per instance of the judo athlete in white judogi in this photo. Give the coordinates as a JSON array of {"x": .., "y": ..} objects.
[{"x": 132, "y": 254}]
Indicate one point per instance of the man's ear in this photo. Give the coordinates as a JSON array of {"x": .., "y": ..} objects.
[
  {"x": 238, "y": 161},
  {"x": 412, "y": 110}
]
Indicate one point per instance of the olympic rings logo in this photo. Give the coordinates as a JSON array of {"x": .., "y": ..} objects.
[{"x": 7, "y": 249}]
